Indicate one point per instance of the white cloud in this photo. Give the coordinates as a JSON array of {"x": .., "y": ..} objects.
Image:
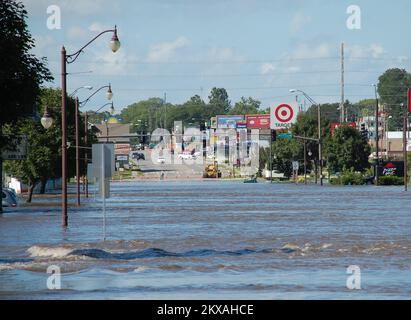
[
  {"x": 98, "y": 27},
  {"x": 267, "y": 68},
  {"x": 371, "y": 51},
  {"x": 305, "y": 51},
  {"x": 106, "y": 63},
  {"x": 299, "y": 21},
  {"x": 224, "y": 54},
  {"x": 76, "y": 32},
  {"x": 72, "y": 7},
  {"x": 162, "y": 52}
]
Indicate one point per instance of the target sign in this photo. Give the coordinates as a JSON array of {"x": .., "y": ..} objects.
[{"x": 282, "y": 116}]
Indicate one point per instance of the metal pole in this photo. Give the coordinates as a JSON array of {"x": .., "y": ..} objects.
[
  {"x": 103, "y": 188},
  {"x": 377, "y": 140},
  {"x": 63, "y": 139},
  {"x": 1, "y": 172},
  {"x": 77, "y": 156},
  {"x": 271, "y": 158},
  {"x": 320, "y": 152},
  {"x": 86, "y": 152},
  {"x": 305, "y": 162},
  {"x": 404, "y": 148}
]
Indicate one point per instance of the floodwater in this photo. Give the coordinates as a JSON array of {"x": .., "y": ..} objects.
[{"x": 213, "y": 240}]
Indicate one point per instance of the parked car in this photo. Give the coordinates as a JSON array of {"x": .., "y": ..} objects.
[
  {"x": 161, "y": 160},
  {"x": 9, "y": 198},
  {"x": 138, "y": 156}
]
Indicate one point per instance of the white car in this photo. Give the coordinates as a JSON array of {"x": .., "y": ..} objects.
[
  {"x": 161, "y": 160},
  {"x": 186, "y": 156}
]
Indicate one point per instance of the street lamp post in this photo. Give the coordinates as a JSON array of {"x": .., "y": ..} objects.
[
  {"x": 68, "y": 59},
  {"x": 320, "y": 155},
  {"x": 377, "y": 136}
]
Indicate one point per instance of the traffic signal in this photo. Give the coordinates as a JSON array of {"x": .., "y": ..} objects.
[
  {"x": 364, "y": 131},
  {"x": 273, "y": 135}
]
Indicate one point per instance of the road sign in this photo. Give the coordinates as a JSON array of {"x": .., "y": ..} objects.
[
  {"x": 282, "y": 116},
  {"x": 97, "y": 159},
  {"x": 20, "y": 149},
  {"x": 285, "y": 136},
  {"x": 296, "y": 165}
]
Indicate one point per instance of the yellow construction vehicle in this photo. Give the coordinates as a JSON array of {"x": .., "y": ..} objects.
[{"x": 211, "y": 171}]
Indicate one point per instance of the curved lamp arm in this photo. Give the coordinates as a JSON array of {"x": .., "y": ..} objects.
[
  {"x": 70, "y": 58},
  {"x": 107, "y": 104},
  {"x": 308, "y": 97},
  {"x": 83, "y": 103}
]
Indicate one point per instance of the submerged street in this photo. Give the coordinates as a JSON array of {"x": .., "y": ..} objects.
[{"x": 209, "y": 239}]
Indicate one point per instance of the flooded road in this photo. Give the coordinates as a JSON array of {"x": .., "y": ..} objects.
[{"x": 213, "y": 240}]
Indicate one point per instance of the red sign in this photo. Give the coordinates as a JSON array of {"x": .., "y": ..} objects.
[
  {"x": 260, "y": 121},
  {"x": 335, "y": 125},
  {"x": 409, "y": 99}
]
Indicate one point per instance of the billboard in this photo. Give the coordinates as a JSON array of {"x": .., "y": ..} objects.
[
  {"x": 259, "y": 121},
  {"x": 241, "y": 125},
  {"x": 391, "y": 168},
  {"x": 228, "y": 122}
]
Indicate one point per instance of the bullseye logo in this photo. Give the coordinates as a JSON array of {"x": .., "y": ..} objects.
[
  {"x": 284, "y": 113},
  {"x": 282, "y": 116}
]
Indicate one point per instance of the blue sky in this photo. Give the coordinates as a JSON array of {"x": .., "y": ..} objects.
[{"x": 255, "y": 48}]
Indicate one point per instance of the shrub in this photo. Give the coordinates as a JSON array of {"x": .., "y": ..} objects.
[
  {"x": 352, "y": 178},
  {"x": 391, "y": 181}
]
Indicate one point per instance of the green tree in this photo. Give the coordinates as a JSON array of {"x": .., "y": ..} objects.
[
  {"x": 347, "y": 150},
  {"x": 246, "y": 106},
  {"x": 219, "y": 102},
  {"x": 21, "y": 73},
  {"x": 43, "y": 161},
  {"x": 44, "y": 146},
  {"x": 392, "y": 89},
  {"x": 284, "y": 153}
]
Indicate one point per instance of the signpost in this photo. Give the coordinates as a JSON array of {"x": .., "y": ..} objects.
[
  {"x": 296, "y": 167},
  {"x": 103, "y": 169},
  {"x": 282, "y": 116}
]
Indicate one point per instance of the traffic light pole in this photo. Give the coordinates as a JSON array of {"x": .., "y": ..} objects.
[{"x": 271, "y": 158}]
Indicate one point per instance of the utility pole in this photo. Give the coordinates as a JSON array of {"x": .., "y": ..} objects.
[
  {"x": 271, "y": 158},
  {"x": 165, "y": 110},
  {"x": 320, "y": 152},
  {"x": 342, "y": 108},
  {"x": 404, "y": 147}
]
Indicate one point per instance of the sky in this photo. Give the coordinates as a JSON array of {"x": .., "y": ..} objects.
[{"x": 259, "y": 49}]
